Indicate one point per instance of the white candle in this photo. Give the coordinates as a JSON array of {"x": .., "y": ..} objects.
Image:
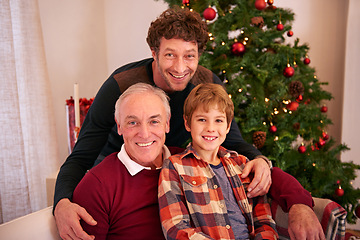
[{"x": 76, "y": 105}]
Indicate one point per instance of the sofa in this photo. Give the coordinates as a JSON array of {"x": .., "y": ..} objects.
[{"x": 41, "y": 224}]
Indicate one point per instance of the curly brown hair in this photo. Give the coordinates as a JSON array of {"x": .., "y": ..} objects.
[{"x": 178, "y": 23}]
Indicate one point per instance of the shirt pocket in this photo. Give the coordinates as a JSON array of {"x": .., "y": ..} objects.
[{"x": 196, "y": 189}]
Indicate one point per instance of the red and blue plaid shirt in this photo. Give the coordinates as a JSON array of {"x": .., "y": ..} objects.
[{"x": 192, "y": 204}]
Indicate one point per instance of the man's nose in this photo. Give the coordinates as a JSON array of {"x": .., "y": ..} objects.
[
  {"x": 144, "y": 131},
  {"x": 180, "y": 65}
]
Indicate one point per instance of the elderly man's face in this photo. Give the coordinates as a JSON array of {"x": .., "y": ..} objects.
[{"x": 143, "y": 124}]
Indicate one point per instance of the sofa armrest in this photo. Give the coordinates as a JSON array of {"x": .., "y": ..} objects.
[
  {"x": 36, "y": 225},
  {"x": 331, "y": 215}
]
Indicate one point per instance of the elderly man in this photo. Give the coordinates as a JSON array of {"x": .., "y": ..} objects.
[{"x": 121, "y": 191}]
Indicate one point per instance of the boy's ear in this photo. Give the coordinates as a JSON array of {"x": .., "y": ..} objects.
[
  {"x": 187, "y": 126},
  {"x": 228, "y": 129}
]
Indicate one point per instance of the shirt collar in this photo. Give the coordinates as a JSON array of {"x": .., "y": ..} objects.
[
  {"x": 132, "y": 166},
  {"x": 221, "y": 153}
]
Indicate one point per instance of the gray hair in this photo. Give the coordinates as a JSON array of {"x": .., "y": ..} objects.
[{"x": 143, "y": 88}]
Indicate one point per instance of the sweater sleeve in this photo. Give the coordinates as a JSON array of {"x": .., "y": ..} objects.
[
  {"x": 94, "y": 201},
  {"x": 93, "y": 135},
  {"x": 287, "y": 191}
]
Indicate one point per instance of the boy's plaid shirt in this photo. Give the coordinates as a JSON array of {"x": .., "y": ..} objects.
[{"x": 192, "y": 205}]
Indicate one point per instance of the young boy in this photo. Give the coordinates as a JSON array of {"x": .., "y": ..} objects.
[{"x": 201, "y": 192}]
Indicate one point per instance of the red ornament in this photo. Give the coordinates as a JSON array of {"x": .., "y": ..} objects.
[
  {"x": 185, "y": 2},
  {"x": 357, "y": 211},
  {"x": 321, "y": 142},
  {"x": 260, "y": 4},
  {"x": 339, "y": 192},
  {"x": 299, "y": 98},
  {"x": 307, "y": 61},
  {"x": 270, "y": 2},
  {"x": 237, "y": 48},
  {"x": 209, "y": 13},
  {"x": 289, "y": 71},
  {"x": 325, "y": 136},
  {"x": 302, "y": 149},
  {"x": 292, "y": 106},
  {"x": 272, "y": 129},
  {"x": 324, "y": 109},
  {"x": 280, "y": 27},
  {"x": 290, "y": 33},
  {"x": 314, "y": 147}
]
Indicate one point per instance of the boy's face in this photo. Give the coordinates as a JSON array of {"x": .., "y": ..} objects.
[
  {"x": 208, "y": 129},
  {"x": 175, "y": 64}
]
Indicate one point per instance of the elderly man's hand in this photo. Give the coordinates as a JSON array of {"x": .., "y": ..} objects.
[
  {"x": 67, "y": 217},
  {"x": 303, "y": 223},
  {"x": 261, "y": 182}
]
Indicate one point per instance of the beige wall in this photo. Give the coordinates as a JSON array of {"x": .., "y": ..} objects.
[
  {"x": 85, "y": 40},
  {"x": 351, "y": 113}
]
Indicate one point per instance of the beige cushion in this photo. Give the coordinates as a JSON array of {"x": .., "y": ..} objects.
[{"x": 37, "y": 225}]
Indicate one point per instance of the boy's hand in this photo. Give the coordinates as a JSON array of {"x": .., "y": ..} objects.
[
  {"x": 261, "y": 182},
  {"x": 67, "y": 217}
]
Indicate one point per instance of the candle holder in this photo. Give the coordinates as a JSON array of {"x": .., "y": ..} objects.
[{"x": 72, "y": 130}]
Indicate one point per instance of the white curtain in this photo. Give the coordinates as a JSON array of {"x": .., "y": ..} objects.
[{"x": 28, "y": 151}]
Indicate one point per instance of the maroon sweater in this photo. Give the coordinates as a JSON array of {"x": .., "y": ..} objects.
[{"x": 124, "y": 206}]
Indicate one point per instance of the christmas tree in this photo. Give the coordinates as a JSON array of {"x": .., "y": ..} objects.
[{"x": 279, "y": 102}]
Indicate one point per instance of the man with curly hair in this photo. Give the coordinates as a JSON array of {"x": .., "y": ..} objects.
[{"x": 176, "y": 38}]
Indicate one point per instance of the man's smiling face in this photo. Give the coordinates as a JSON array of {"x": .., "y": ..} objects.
[
  {"x": 143, "y": 124},
  {"x": 175, "y": 64}
]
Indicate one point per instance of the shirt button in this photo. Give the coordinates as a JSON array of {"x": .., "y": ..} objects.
[
  {"x": 215, "y": 186},
  {"x": 227, "y": 226},
  {"x": 194, "y": 182},
  {"x": 221, "y": 205}
]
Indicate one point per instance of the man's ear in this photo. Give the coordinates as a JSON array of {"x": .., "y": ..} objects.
[
  {"x": 167, "y": 130},
  {"x": 153, "y": 53},
  {"x": 187, "y": 124},
  {"x": 118, "y": 128}
]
